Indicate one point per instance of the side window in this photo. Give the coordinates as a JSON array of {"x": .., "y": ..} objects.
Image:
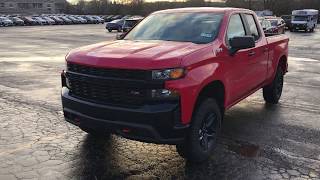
[
  {"x": 252, "y": 26},
  {"x": 235, "y": 27}
]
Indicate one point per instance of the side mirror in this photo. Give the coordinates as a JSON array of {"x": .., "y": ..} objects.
[
  {"x": 120, "y": 36},
  {"x": 241, "y": 42}
]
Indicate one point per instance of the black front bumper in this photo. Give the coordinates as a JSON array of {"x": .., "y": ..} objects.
[
  {"x": 299, "y": 26},
  {"x": 157, "y": 123}
]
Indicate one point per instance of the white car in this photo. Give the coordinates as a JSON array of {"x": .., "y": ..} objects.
[{"x": 4, "y": 21}]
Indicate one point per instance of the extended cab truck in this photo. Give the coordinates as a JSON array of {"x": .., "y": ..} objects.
[{"x": 170, "y": 78}]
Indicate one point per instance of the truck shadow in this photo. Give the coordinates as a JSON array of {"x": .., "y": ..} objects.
[{"x": 235, "y": 156}]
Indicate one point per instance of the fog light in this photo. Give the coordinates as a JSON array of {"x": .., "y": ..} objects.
[{"x": 163, "y": 93}]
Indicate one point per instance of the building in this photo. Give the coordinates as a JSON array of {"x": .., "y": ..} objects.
[{"x": 32, "y": 6}]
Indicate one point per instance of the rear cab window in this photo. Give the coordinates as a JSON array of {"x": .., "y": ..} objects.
[{"x": 252, "y": 26}]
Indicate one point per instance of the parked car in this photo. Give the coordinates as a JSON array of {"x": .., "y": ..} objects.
[
  {"x": 4, "y": 21},
  {"x": 278, "y": 24},
  {"x": 74, "y": 20},
  {"x": 304, "y": 19},
  {"x": 17, "y": 21},
  {"x": 40, "y": 21},
  {"x": 129, "y": 23},
  {"x": 90, "y": 19},
  {"x": 287, "y": 19},
  {"x": 268, "y": 29},
  {"x": 82, "y": 20},
  {"x": 171, "y": 78},
  {"x": 29, "y": 21},
  {"x": 66, "y": 20},
  {"x": 108, "y": 18},
  {"x": 49, "y": 20},
  {"x": 99, "y": 19},
  {"x": 57, "y": 20},
  {"x": 115, "y": 25},
  {"x": 116, "y": 17},
  {"x": 126, "y": 17}
]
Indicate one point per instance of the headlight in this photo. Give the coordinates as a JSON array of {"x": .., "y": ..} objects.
[{"x": 168, "y": 74}]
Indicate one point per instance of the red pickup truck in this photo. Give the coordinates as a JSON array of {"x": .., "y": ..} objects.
[{"x": 170, "y": 79}]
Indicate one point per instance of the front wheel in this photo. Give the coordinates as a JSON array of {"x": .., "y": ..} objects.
[
  {"x": 272, "y": 92},
  {"x": 109, "y": 30},
  {"x": 312, "y": 30},
  {"x": 203, "y": 134}
]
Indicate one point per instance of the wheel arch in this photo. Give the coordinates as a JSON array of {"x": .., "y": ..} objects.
[
  {"x": 283, "y": 63},
  {"x": 214, "y": 89}
]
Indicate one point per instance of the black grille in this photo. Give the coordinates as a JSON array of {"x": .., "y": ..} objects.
[
  {"x": 106, "y": 86},
  {"x": 110, "y": 73},
  {"x": 105, "y": 91}
]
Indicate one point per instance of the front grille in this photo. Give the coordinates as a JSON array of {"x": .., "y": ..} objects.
[
  {"x": 300, "y": 25},
  {"x": 111, "y": 73},
  {"x": 111, "y": 87}
]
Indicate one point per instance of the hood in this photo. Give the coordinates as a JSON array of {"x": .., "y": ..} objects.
[{"x": 127, "y": 54}]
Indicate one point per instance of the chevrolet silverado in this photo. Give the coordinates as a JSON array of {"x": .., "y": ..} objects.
[{"x": 170, "y": 79}]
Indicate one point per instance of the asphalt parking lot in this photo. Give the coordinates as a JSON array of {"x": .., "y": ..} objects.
[{"x": 258, "y": 141}]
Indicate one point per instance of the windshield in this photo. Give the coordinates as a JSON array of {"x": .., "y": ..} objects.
[
  {"x": 274, "y": 22},
  {"x": 130, "y": 23},
  {"x": 300, "y": 18},
  {"x": 116, "y": 21},
  {"x": 198, "y": 28}
]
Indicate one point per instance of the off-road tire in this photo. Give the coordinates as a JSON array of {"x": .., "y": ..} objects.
[
  {"x": 272, "y": 93},
  {"x": 207, "y": 115}
]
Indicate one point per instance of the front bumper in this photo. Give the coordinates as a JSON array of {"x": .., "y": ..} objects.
[
  {"x": 157, "y": 123},
  {"x": 299, "y": 26}
]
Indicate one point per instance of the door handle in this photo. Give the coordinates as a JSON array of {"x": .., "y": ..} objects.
[{"x": 252, "y": 53}]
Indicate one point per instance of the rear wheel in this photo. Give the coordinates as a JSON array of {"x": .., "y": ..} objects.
[
  {"x": 272, "y": 92},
  {"x": 109, "y": 30},
  {"x": 203, "y": 134}
]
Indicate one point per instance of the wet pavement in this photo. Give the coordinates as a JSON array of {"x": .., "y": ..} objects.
[{"x": 258, "y": 141}]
